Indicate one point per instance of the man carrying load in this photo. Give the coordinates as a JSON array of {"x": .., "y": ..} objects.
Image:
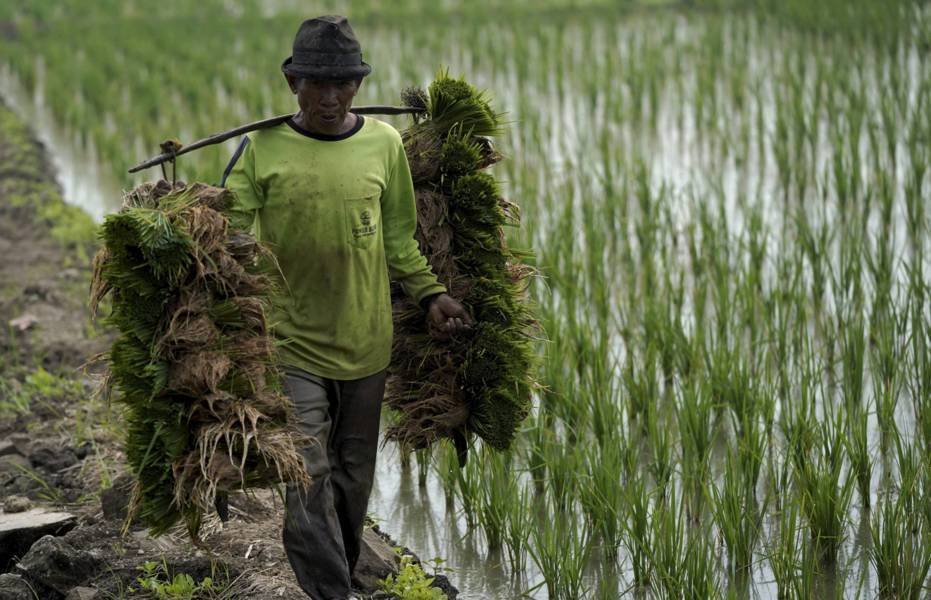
[{"x": 330, "y": 193}]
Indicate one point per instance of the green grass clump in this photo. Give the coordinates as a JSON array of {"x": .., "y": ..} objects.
[
  {"x": 459, "y": 156},
  {"x": 560, "y": 548},
  {"x": 159, "y": 581},
  {"x": 826, "y": 489},
  {"x": 900, "y": 551},
  {"x": 455, "y": 102},
  {"x": 411, "y": 583},
  {"x": 39, "y": 386},
  {"x": 479, "y": 383},
  {"x": 500, "y": 399},
  {"x": 475, "y": 202},
  {"x": 738, "y": 517},
  {"x": 193, "y": 364}
]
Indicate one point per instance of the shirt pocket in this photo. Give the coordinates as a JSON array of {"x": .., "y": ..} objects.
[{"x": 363, "y": 221}]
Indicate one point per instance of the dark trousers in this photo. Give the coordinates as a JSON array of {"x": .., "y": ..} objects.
[{"x": 323, "y": 525}]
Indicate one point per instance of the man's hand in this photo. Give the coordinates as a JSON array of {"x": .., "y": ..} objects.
[{"x": 447, "y": 315}]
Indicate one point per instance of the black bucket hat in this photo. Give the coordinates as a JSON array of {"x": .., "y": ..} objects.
[{"x": 326, "y": 48}]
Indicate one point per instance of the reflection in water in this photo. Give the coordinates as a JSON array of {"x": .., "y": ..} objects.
[
  {"x": 84, "y": 180},
  {"x": 425, "y": 519}
]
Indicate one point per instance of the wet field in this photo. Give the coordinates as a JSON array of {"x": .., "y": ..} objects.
[{"x": 729, "y": 211}]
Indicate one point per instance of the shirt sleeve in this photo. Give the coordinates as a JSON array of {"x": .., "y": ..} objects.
[
  {"x": 406, "y": 264},
  {"x": 239, "y": 177}
]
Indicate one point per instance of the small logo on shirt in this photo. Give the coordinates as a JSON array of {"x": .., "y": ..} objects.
[{"x": 365, "y": 228}]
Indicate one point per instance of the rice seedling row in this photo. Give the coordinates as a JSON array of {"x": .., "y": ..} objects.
[{"x": 728, "y": 207}]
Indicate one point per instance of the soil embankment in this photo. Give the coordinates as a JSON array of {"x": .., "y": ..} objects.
[
  {"x": 61, "y": 441},
  {"x": 61, "y": 468},
  {"x": 44, "y": 249}
]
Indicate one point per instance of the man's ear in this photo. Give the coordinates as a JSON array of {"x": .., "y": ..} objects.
[
  {"x": 358, "y": 84},
  {"x": 292, "y": 82}
]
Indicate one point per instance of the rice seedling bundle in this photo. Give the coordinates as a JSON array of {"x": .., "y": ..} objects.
[
  {"x": 480, "y": 382},
  {"x": 193, "y": 361}
]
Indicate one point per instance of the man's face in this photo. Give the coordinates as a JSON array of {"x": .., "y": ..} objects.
[{"x": 325, "y": 103}]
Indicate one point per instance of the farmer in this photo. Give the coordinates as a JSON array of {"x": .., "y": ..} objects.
[{"x": 331, "y": 193}]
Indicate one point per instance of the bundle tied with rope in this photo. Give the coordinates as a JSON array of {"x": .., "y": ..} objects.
[
  {"x": 479, "y": 382},
  {"x": 194, "y": 362}
]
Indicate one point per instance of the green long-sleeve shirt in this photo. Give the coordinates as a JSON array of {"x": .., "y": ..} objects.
[{"x": 339, "y": 214}]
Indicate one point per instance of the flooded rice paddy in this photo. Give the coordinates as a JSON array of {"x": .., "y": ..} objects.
[{"x": 729, "y": 211}]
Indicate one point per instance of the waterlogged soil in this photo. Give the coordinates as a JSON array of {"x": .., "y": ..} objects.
[{"x": 60, "y": 439}]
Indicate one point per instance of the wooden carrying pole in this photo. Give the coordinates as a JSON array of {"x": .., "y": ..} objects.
[{"x": 263, "y": 124}]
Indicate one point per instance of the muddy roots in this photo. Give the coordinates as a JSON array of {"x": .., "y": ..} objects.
[
  {"x": 194, "y": 361},
  {"x": 479, "y": 383}
]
